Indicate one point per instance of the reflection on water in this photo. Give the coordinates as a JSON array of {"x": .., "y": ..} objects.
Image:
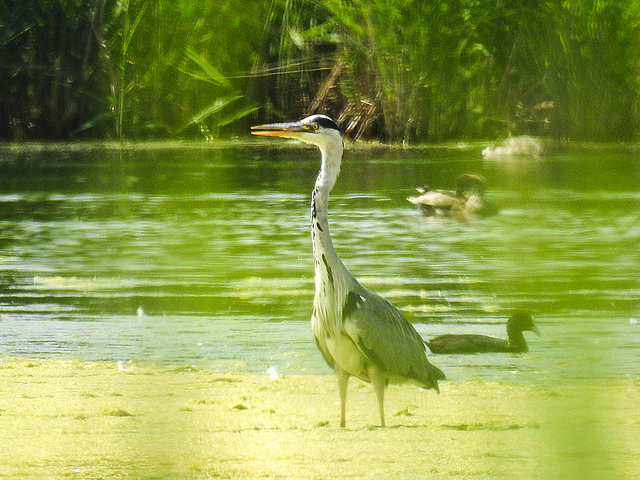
[{"x": 202, "y": 256}]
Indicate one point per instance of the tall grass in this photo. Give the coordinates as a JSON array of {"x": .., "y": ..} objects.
[{"x": 398, "y": 70}]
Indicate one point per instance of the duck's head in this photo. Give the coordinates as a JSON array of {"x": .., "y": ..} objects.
[
  {"x": 469, "y": 184},
  {"x": 522, "y": 321}
]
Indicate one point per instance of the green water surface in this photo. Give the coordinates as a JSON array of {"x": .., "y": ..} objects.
[{"x": 199, "y": 254}]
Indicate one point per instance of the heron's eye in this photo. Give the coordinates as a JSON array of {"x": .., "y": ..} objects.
[{"x": 315, "y": 126}]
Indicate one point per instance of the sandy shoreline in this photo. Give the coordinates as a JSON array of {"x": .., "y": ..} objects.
[{"x": 68, "y": 419}]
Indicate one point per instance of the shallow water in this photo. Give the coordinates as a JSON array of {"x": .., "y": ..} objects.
[{"x": 200, "y": 255}]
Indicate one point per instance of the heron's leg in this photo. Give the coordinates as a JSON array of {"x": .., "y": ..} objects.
[
  {"x": 379, "y": 382},
  {"x": 343, "y": 381}
]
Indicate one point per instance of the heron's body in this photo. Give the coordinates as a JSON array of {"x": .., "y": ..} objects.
[
  {"x": 470, "y": 343},
  {"x": 466, "y": 203},
  {"x": 359, "y": 333}
]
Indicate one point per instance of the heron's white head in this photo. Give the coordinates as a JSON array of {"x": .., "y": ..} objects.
[{"x": 318, "y": 130}]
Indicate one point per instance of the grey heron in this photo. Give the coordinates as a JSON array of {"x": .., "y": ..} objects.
[
  {"x": 465, "y": 203},
  {"x": 357, "y": 331},
  {"x": 468, "y": 343}
]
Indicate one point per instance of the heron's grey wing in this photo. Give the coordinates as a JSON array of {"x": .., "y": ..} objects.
[{"x": 386, "y": 337}]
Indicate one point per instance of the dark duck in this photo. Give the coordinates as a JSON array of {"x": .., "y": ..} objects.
[
  {"x": 465, "y": 203},
  {"x": 469, "y": 343}
]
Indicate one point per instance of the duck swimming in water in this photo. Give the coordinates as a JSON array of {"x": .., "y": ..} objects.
[
  {"x": 468, "y": 343},
  {"x": 466, "y": 203},
  {"x": 514, "y": 147}
]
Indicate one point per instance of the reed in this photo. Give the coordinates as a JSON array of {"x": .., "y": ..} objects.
[{"x": 397, "y": 70}]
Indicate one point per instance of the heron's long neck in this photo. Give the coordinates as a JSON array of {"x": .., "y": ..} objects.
[{"x": 327, "y": 263}]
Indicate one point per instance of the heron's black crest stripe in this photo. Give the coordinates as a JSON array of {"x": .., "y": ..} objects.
[
  {"x": 329, "y": 271},
  {"x": 325, "y": 122},
  {"x": 351, "y": 304}
]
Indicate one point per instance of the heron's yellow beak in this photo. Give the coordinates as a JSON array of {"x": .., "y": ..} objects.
[
  {"x": 268, "y": 133},
  {"x": 278, "y": 129}
]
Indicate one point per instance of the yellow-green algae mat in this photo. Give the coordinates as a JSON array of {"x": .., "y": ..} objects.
[{"x": 78, "y": 420}]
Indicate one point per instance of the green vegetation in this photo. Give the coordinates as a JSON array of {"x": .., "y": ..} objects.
[{"x": 397, "y": 70}]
